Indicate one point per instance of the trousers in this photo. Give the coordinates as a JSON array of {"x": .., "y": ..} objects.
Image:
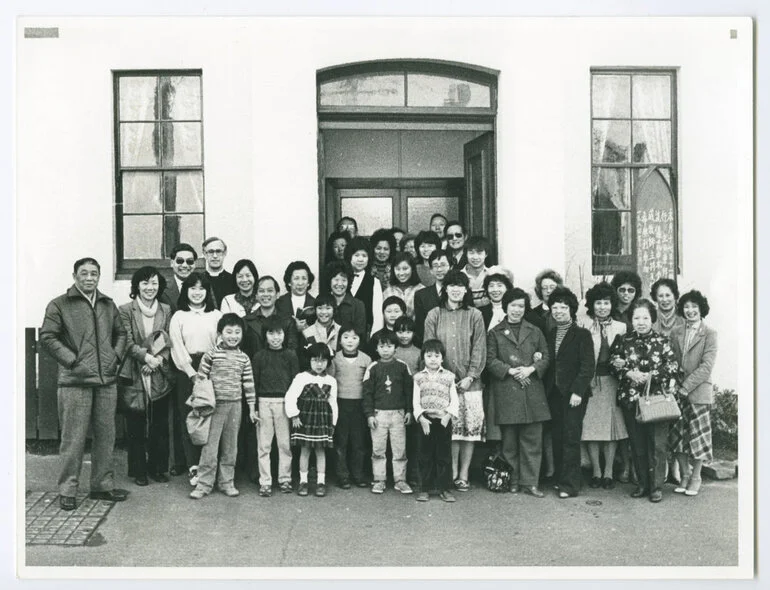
[
  {"x": 435, "y": 456},
  {"x": 390, "y": 425},
  {"x": 522, "y": 447},
  {"x": 217, "y": 461},
  {"x": 649, "y": 446},
  {"x": 273, "y": 422},
  {"x": 349, "y": 439}
]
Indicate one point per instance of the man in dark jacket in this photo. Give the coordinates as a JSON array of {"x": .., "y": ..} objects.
[{"x": 82, "y": 330}]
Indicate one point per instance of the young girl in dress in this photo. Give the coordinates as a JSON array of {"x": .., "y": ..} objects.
[{"x": 311, "y": 404}]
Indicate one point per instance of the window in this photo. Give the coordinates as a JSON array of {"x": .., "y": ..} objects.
[
  {"x": 158, "y": 164},
  {"x": 633, "y": 172}
]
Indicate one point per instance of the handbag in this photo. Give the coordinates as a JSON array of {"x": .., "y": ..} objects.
[
  {"x": 658, "y": 407},
  {"x": 497, "y": 473},
  {"x": 162, "y": 381}
]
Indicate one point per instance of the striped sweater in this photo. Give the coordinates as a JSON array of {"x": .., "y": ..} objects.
[{"x": 230, "y": 372}]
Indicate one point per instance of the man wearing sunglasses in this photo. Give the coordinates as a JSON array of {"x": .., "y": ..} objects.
[{"x": 183, "y": 258}]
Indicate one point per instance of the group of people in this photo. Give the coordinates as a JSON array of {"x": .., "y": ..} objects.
[{"x": 412, "y": 343}]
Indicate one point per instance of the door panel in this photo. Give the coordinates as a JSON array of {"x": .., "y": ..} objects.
[
  {"x": 371, "y": 208},
  {"x": 480, "y": 188}
]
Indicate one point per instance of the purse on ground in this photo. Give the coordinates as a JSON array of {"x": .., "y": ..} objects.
[{"x": 658, "y": 407}]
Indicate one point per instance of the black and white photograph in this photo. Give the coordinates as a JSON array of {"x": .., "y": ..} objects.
[{"x": 330, "y": 297}]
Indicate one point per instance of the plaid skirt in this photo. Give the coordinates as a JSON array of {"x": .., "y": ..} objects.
[
  {"x": 691, "y": 434},
  {"x": 315, "y": 413}
]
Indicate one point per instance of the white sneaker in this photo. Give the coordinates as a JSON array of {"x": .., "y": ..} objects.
[
  {"x": 192, "y": 473},
  {"x": 378, "y": 487},
  {"x": 403, "y": 487}
]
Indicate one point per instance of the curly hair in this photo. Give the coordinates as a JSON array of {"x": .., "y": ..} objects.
[
  {"x": 628, "y": 277},
  {"x": 513, "y": 295},
  {"x": 598, "y": 292},
  {"x": 696, "y": 297},
  {"x": 647, "y": 304},
  {"x": 562, "y": 294},
  {"x": 145, "y": 274},
  {"x": 384, "y": 235},
  {"x": 670, "y": 283},
  {"x": 298, "y": 265},
  {"x": 548, "y": 273},
  {"x": 497, "y": 277}
]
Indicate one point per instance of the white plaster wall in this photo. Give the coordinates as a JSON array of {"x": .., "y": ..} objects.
[{"x": 260, "y": 139}]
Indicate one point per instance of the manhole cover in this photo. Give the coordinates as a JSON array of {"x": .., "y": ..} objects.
[
  {"x": 594, "y": 502},
  {"x": 47, "y": 524}
]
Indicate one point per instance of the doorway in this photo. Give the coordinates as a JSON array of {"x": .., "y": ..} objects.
[{"x": 401, "y": 140}]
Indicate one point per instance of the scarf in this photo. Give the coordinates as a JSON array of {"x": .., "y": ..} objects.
[
  {"x": 381, "y": 271},
  {"x": 247, "y": 302},
  {"x": 561, "y": 330},
  {"x": 603, "y": 325},
  {"x": 691, "y": 329},
  {"x": 666, "y": 321},
  {"x": 498, "y": 315},
  {"x": 148, "y": 312}
]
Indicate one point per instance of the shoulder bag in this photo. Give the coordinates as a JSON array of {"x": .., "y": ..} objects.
[{"x": 658, "y": 407}]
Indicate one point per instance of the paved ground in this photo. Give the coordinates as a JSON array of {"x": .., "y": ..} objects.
[{"x": 160, "y": 526}]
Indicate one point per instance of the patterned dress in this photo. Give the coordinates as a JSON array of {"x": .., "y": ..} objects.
[{"x": 314, "y": 399}]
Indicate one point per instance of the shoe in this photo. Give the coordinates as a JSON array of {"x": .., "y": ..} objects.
[
  {"x": 596, "y": 482},
  {"x": 159, "y": 477},
  {"x": 68, "y": 502},
  {"x": 422, "y": 497},
  {"x": 320, "y": 490},
  {"x": 265, "y": 491},
  {"x": 362, "y": 484},
  {"x": 403, "y": 487},
  {"x": 192, "y": 474},
  {"x": 447, "y": 496},
  {"x": 514, "y": 488},
  {"x": 378, "y": 487},
  {"x": 656, "y": 496},
  {"x": 142, "y": 481},
  {"x": 345, "y": 484},
  {"x": 302, "y": 489},
  {"x": 639, "y": 492},
  {"x": 534, "y": 491},
  {"x": 110, "y": 496},
  {"x": 177, "y": 470},
  {"x": 564, "y": 495},
  {"x": 624, "y": 476},
  {"x": 285, "y": 487},
  {"x": 693, "y": 486},
  {"x": 682, "y": 487},
  {"x": 608, "y": 483},
  {"x": 230, "y": 491},
  {"x": 462, "y": 485},
  {"x": 197, "y": 494}
]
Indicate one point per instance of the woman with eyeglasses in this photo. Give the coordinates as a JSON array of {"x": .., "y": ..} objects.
[
  {"x": 455, "y": 244},
  {"x": 628, "y": 287},
  {"x": 545, "y": 282},
  {"x": 460, "y": 328},
  {"x": 349, "y": 225},
  {"x": 640, "y": 357},
  {"x": 244, "y": 300}
]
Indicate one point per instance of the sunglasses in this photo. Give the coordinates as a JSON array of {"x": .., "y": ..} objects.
[
  {"x": 187, "y": 261},
  {"x": 630, "y": 290},
  {"x": 455, "y": 235}
]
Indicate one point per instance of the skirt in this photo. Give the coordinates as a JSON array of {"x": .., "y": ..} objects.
[
  {"x": 603, "y": 420},
  {"x": 691, "y": 434},
  {"x": 469, "y": 425},
  {"x": 315, "y": 413}
]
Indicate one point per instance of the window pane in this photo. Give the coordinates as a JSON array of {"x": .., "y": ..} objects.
[
  {"x": 421, "y": 209},
  {"x": 142, "y": 236},
  {"x": 611, "y": 96},
  {"x": 141, "y": 192},
  {"x": 371, "y": 213},
  {"x": 182, "y": 144},
  {"x": 436, "y": 91},
  {"x": 611, "y": 233},
  {"x": 652, "y": 97},
  {"x": 137, "y": 98},
  {"x": 383, "y": 91},
  {"x": 652, "y": 142},
  {"x": 611, "y": 141},
  {"x": 180, "y": 97},
  {"x": 183, "y": 228},
  {"x": 611, "y": 188},
  {"x": 138, "y": 143},
  {"x": 183, "y": 191}
]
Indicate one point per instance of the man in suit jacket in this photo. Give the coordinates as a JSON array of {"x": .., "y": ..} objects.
[
  {"x": 429, "y": 297},
  {"x": 568, "y": 385},
  {"x": 183, "y": 257},
  {"x": 215, "y": 251}
]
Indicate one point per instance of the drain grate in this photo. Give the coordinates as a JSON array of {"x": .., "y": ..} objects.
[{"x": 47, "y": 524}]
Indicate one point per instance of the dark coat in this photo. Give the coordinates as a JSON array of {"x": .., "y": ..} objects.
[
  {"x": 283, "y": 304},
  {"x": 352, "y": 311},
  {"x": 515, "y": 404},
  {"x": 424, "y": 300},
  {"x": 87, "y": 342},
  {"x": 572, "y": 369},
  {"x": 696, "y": 362},
  {"x": 222, "y": 285},
  {"x": 254, "y": 340},
  {"x": 170, "y": 295}
]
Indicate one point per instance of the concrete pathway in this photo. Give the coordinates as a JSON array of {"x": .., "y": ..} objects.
[{"x": 160, "y": 526}]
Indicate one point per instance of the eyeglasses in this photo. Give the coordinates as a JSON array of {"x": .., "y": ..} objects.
[
  {"x": 455, "y": 235},
  {"x": 187, "y": 261},
  {"x": 216, "y": 252},
  {"x": 629, "y": 290}
]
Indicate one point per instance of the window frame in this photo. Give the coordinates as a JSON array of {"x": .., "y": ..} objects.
[
  {"x": 604, "y": 264},
  {"x": 124, "y": 268}
]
